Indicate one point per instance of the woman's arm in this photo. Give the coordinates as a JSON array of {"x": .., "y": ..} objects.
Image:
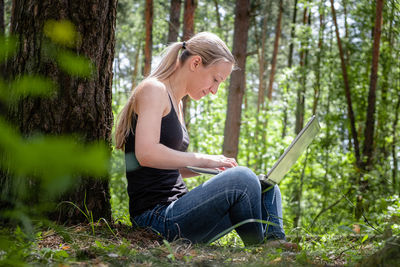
[{"x": 151, "y": 104}]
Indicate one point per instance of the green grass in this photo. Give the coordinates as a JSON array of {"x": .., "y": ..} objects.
[{"x": 77, "y": 245}]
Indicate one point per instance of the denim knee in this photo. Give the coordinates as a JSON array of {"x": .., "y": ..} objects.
[{"x": 243, "y": 177}]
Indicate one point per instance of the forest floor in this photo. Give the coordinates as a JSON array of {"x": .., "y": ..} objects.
[{"x": 120, "y": 245}]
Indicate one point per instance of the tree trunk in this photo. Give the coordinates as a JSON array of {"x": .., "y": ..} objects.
[
  {"x": 370, "y": 123},
  {"x": 217, "y": 14},
  {"x": 188, "y": 18},
  {"x": 81, "y": 106},
  {"x": 2, "y": 25},
  {"x": 188, "y": 31},
  {"x": 261, "y": 58},
  {"x": 148, "y": 47},
  {"x": 238, "y": 79},
  {"x": 301, "y": 91},
  {"x": 317, "y": 86},
  {"x": 136, "y": 67},
  {"x": 292, "y": 34},
  {"x": 387, "y": 59},
  {"x": 394, "y": 146},
  {"x": 350, "y": 112},
  {"x": 275, "y": 53},
  {"x": 174, "y": 24},
  {"x": 290, "y": 60}
]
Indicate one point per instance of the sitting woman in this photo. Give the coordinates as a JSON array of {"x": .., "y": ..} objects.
[{"x": 152, "y": 132}]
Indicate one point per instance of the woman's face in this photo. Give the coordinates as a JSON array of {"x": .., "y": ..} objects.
[{"x": 206, "y": 80}]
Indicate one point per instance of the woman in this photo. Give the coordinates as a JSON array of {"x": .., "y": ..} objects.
[{"x": 152, "y": 132}]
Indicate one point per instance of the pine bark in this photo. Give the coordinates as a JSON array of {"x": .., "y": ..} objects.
[
  {"x": 148, "y": 48},
  {"x": 275, "y": 53},
  {"x": 81, "y": 107},
  {"x": 370, "y": 122},
  {"x": 238, "y": 79},
  {"x": 174, "y": 23}
]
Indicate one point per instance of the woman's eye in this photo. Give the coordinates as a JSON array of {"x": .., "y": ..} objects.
[{"x": 215, "y": 80}]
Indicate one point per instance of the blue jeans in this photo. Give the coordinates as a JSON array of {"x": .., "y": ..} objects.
[{"x": 226, "y": 199}]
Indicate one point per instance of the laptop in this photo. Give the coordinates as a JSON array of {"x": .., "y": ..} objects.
[{"x": 286, "y": 160}]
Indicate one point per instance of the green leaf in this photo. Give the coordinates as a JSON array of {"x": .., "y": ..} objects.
[
  {"x": 62, "y": 32},
  {"x": 364, "y": 238},
  {"x": 74, "y": 65},
  {"x": 29, "y": 85},
  {"x": 8, "y": 47}
]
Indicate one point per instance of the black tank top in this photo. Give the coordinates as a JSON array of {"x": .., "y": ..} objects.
[{"x": 148, "y": 187}]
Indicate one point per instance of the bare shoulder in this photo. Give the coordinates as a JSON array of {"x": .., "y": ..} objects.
[
  {"x": 151, "y": 88},
  {"x": 151, "y": 92}
]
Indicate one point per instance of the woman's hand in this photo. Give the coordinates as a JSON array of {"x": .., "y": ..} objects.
[{"x": 217, "y": 161}]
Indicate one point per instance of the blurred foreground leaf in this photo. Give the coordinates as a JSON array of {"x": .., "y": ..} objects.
[
  {"x": 74, "y": 65},
  {"x": 8, "y": 47},
  {"x": 54, "y": 160},
  {"x": 62, "y": 32},
  {"x": 29, "y": 85}
]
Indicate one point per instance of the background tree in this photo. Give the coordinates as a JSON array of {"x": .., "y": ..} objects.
[
  {"x": 2, "y": 26},
  {"x": 276, "y": 46},
  {"x": 174, "y": 23},
  {"x": 238, "y": 80},
  {"x": 188, "y": 31},
  {"x": 148, "y": 47}
]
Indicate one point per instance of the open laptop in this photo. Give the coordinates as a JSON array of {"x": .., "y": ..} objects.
[{"x": 286, "y": 160}]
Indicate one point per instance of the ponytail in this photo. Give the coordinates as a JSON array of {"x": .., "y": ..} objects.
[{"x": 208, "y": 46}]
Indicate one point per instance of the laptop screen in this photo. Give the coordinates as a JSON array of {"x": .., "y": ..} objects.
[{"x": 294, "y": 150}]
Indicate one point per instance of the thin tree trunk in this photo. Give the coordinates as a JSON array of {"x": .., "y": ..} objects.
[
  {"x": 346, "y": 32},
  {"x": 317, "y": 87},
  {"x": 275, "y": 53},
  {"x": 148, "y": 47},
  {"x": 370, "y": 122},
  {"x": 2, "y": 25},
  {"x": 350, "y": 112},
  {"x": 174, "y": 24},
  {"x": 292, "y": 34},
  {"x": 299, "y": 194},
  {"x": 301, "y": 91},
  {"x": 188, "y": 18},
  {"x": 238, "y": 79},
  {"x": 136, "y": 66},
  {"x": 217, "y": 14},
  {"x": 394, "y": 146},
  {"x": 188, "y": 31},
  {"x": 81, "y": 106},
  {"x": 261, "y": 58},
  {"x": 260, "y": 124},
  {"x": 387, "y": 60},
  {"x": 290, "y": 60}
]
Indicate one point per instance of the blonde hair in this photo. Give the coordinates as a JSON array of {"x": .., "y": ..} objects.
[{"x": 207, "y": 45}]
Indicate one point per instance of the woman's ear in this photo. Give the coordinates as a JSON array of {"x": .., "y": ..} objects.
[{"x": 195, "y": 62}]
